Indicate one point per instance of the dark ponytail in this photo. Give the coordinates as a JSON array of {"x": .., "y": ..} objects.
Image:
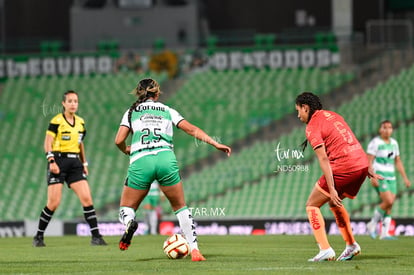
[
  {"x": 134, "y": 107},
  {"x": 131, "y": 109},
  {"x": 146, "y": 88},
  {"x": 314, "y": 104}
]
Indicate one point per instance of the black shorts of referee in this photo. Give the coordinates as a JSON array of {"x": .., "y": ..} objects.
[{"x": 71, "y": 169}]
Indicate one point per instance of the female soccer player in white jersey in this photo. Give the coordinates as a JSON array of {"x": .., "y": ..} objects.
[
  {"x": 384, "y": 156},
  {"x": 152, "y": 158}
]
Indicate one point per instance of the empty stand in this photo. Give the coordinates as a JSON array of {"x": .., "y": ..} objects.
[
  {"x": 254, "y": 189},
  {"x": 229, "y": 105},
  {"x": 28, "y": 104}
]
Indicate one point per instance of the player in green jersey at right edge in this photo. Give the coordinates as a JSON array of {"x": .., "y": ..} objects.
[
  {"x": 384, "y": 157},
  {"x": 151, "y": 157}
]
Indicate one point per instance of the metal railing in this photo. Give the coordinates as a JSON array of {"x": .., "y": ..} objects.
[{"x": 389, "y": 33}]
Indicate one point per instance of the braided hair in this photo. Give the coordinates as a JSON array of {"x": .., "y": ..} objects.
[
  {"x": 145, "y": 89},
  {"x": 314, "y": 104}
]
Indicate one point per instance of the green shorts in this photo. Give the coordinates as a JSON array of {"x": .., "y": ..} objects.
[
  {"x": 387, "y": 185},
  {"x": 161, "y": 167}
]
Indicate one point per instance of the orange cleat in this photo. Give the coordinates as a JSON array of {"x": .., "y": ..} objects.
[
  {"x": 196, "y": 256},
  {"x": 125, "y": 241}
]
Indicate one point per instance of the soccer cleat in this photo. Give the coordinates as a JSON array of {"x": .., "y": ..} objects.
[
  {"x": 372, "y": 229},
  {"x": 38, "y": 241},
  {"x": 98, "y": 241},
  {"x": 349, "y": 252},
  {"x": 196, "y": 256},
  {"x": 125, "y": 241},
  {"x": 388, "y": 238},
  {"x": 324, "y": 255}
]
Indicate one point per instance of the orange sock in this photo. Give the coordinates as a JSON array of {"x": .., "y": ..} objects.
[
  {"x": 318, "y": 226},
  {"x": 344, "y": 224}
]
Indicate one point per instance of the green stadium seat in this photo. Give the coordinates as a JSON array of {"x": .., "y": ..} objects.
[
  {"x": 40, "y": 99},
  {"x": 246, "y": 184},
  {"x": 288, "y": 200}
]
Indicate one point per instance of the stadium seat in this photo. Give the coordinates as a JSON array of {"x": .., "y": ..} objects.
[
  {"x": 40, "y": 98},
  {"x": 246, "y": 184},
  {"x": 292, "y": 189}
]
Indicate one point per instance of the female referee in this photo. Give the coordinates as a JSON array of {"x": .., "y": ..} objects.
[
  {"x": 65, "y": 154},
  {"x": 344, "y": 165},
  {"x": 152, "y": 158}
]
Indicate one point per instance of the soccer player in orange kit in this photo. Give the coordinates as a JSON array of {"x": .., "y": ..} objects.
[{"x": 344, "y": 165}]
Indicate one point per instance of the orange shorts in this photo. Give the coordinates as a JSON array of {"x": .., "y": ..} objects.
[{"x": 346, "y": 184}]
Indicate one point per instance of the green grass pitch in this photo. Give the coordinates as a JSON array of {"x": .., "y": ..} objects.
[{"x": 272, "y": 254}]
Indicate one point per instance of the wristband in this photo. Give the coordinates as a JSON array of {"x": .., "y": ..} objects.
[
  {"x": 85, "y": 163},
  {"x": 49, "y": 155}
]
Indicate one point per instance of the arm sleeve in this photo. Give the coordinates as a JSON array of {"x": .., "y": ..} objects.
[
  {"x": 175, "y": 117},
  {"x": 314, "y": 136},
  {"x": 52, "y": 129},
  {"x": 372, "y": 148},
  {"x": 124, "y": 120},
  {"x": 397, "y": 149},
  {"x": 84, "y": 131}
]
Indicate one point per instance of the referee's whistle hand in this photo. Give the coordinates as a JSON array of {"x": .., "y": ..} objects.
[
  {"x": 54, "y": 168},
  {"x": 85, "y": 170}
]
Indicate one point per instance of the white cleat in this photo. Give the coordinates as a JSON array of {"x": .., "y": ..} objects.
[
  {"x": 324, "y": 255},
  {"x": 388, "y": 238},
  {"x": 349, "y": 252}
]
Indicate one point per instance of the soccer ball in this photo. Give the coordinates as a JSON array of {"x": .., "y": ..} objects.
[{"x": 176, "y": 247}]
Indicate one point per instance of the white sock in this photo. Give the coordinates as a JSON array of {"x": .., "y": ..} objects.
[
  {"x": 126, "y": 214},
  {"x": 147, "y": 221},
  {"x": 185, "y": 219},
  {"x": 385, "y": 226},
  {"x": 153, "y": 221},
  {"x": 377, "y": 216}
]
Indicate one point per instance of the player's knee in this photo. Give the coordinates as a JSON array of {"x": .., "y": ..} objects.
[
  {"x": 175, "y": 205},
  {"x": 53, "y": 204},
  {"x": 388, "y": 203},
  {"x": 87, "y": 201}
]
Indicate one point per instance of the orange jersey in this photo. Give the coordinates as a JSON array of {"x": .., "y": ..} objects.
[{"x": 344, "y": 151}]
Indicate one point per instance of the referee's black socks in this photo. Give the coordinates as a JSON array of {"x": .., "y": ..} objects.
[
  {"x": 44, "y": 220},
  {"x": 90, "y": 217}
]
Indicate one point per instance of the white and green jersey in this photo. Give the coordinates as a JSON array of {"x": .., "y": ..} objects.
[
  {"x": 152, "y": 128},
  {"x": 385, "y": 154}
]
